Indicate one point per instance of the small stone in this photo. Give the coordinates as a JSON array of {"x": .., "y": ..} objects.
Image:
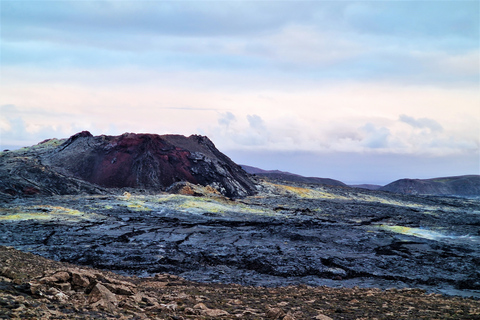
[
  {"x": 80, "y": 280},
  {"x": 215, "y": 312},
  {"x": 289, "y": 316},
  {"x": 322, "y": 317},
  {"x": 36, "y": 288},
  {"x": 52, "y": 291},
  {"x": 61, "y": 276},
  {"x": 65, "y": 286},
  {"x": 171, "y": 307},
  {"x": 274, "y": 313},
  {"x": 119, "y": 289},
  {"x": 101, "y": 294},
  {"x": 236, "y": 302},
  {"x": 200, "y": 306},
  {"x": 191, "y": 311},
  {"x": 61, "y": 297}
]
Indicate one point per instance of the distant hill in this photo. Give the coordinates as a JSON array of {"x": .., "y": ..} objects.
[
  {"x": 468, "y": 186},
  {"x": 287, "y": 176},
  {"x": 366, "y": 186}
]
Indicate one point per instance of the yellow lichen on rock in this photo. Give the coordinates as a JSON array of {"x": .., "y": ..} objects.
[
  {"x": 306, "y": 192},
  {"x": 42, "y": 212}
]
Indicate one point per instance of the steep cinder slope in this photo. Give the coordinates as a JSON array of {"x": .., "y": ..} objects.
[
  {"x": 468, "y": 185},
  {"x": 145, "y": 161}
]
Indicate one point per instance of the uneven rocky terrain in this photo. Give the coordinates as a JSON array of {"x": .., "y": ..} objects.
[
  {"x": 285, "y": 235},
  {"x": 32, "y": 287}
]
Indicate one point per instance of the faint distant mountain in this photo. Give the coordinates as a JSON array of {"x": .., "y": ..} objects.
[
  {"x": 465, "y": 186},
  {"x": 287, "y": 176},
  {"x": 366, "y": 186}
]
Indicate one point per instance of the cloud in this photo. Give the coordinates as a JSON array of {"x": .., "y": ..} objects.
[
  {"x": 421, "y": 123},
  {"x": 401, "y": 41},
  {"x": 414, "y": 19},
  {"x": 16, "y": 132},
  {"x": 336, "y": 75},
  {"x": 256, "y": 123},
  {"x": 226, "y": 118},
  {"x": 375, "y": 137}
]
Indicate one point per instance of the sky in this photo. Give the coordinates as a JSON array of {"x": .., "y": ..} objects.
[{"x": 359, "y": 91}]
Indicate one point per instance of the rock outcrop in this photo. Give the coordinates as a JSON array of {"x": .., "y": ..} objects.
[
  {"x": 144, "y": 161},
  {"x": 465, "y": 186}
]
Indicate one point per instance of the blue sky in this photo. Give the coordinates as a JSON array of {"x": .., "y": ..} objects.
[{"x": 360, "y": 91}]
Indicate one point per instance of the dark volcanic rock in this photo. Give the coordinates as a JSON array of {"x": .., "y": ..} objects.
[
  {"x": 145, "y": 161},
  {"x": 291, "y": 177},
  {"x": 22, "y": 173},
  {"x": 468, "y": 186},
  {"x": 330, "y": 236}
]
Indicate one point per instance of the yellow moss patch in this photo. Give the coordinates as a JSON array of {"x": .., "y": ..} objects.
[
  {"x": 43, "y": 212},
  {"x": 416, "y": 232},
  {"x": 307, "y": 193},
  {"x": 202, "y": 205},
  {"x": 138, "y": 206}
]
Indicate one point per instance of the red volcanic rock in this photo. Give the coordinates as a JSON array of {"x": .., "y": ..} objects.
[{"x": 149, "y": 161}]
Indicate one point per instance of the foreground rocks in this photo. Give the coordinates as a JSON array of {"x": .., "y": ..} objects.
[{"x": 32, "y": 287}]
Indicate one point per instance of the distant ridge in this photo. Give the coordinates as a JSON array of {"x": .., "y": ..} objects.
[
  {"x": 465, "y": 186},
  {"x": 366, "y": 186},
  {"x": 287, "y": 176}
]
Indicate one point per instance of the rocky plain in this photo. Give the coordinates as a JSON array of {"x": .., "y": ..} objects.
[{"x": 210, "y": 241}]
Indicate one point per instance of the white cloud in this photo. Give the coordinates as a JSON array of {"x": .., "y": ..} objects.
[
  {"x": 421, "y": 123},
  {"x": 226, "y": 118},
  {"x": 256, "y": 123},
  {"x": 376, "y": 138}
]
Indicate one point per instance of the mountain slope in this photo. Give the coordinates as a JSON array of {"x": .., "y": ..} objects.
[
  {"x": 287, "y": 176},
  {"x": 145, "y": 161},
  {"x": 468, "y": 185}
]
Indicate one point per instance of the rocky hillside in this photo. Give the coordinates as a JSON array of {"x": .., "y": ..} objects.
[
  {"x": 88, "y": 164},
  {"x": 466, "y": 186},
  {"x": 291, "y": 177}
]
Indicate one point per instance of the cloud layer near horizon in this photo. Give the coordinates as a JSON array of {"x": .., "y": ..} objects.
[{"x": 364, "y": 77}]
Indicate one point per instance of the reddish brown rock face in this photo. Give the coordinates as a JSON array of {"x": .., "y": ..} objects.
[
  {"x": 137, "y": 160},
  {"x": 149, "y": 161}
]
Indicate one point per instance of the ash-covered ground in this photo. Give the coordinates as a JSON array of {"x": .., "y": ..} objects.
[{"x": 285, "y": 235}]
